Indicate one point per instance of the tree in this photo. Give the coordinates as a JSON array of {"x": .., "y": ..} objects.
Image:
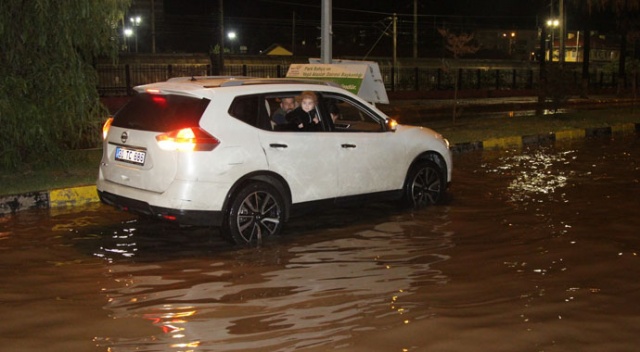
[
  {"x": 48, "y": 97},
  {"x": 459, "y": 45},
  {"x": 626, "y": 12}
]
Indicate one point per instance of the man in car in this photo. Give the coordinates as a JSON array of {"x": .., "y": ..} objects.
[{"x": 286, "y": 105}]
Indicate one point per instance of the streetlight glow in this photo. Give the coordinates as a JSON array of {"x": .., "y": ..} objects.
[
  {"x": 232, "y": 35},
  {"x": 135, "y": 22},
  {"x": 553, "y": 22}
]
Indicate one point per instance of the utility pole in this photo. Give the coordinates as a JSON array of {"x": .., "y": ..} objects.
[
  {"x": 415, "y": 29},
  {"x": 563, "y": 30},
  {"x": 395, "y": 51},
  {"x": 543, "y": 56},
  {"x": 293, "y": 33},
  {"x": 326, "y": 32},
  {"x": 221, "y": 39},
  {"x": 153, "y": 27}
]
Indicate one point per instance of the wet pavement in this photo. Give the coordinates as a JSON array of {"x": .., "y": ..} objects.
[
  {"x": 535, "y": 250},
  {"x": 418, "y": 110}
]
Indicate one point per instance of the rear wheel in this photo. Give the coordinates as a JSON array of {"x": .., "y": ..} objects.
[
  {"x": 425, "y": 185},
  {"x": 256, "y": 212}
]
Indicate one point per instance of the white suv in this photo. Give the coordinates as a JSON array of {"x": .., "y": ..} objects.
[{"x": 204, "y": 151}]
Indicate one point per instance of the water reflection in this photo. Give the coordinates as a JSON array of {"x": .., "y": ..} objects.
[
  {"x": 314, "y": 293},
  {"x": 535, "y": 174},
  {"x": 123, "y": 244}
]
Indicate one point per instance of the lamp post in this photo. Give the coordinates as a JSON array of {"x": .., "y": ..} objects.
[
  {"x": 510, "y": 40},
  {"x": 128, "y": 32},
  {"x": 135, "y": 22},
  {"x": 552, "y": 23},
  {"x": 232, "y": 36}
]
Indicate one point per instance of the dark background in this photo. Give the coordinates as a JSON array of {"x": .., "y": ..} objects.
[
  {"x": 192, "y": 25},
  {"x": 359, "y": 27}
]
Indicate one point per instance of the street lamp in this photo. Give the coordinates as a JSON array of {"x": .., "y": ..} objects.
[
  {"x": 135, "y": 22},
  {"x": 232, "y": 36},
  {"x": 128, "y": 32},
  {"x": 511, "y": 40},
  {"x": 552, "y": 23}
]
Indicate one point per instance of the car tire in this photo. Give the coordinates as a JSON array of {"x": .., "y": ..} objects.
[
  {"x": 425, "y": 185},
  {"x": 256, "y": 212}
]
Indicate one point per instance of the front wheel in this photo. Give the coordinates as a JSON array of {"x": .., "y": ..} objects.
[
  {"x": 256, "y": 212},
  {"x": 425, "y": 185}
]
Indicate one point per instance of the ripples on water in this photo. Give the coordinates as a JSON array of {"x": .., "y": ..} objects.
[
  {"x": 286, "y": 296},
  {"x": 536, "y": 250}
]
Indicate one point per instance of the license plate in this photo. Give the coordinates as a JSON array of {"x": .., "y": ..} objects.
[{"x": 130, "y": 156}]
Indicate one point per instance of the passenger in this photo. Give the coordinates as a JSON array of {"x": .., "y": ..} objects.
[
  {"x": 286, "y": 105},
  {"x": 305, "y": 117},
  {"x": 334, "y": 111}
]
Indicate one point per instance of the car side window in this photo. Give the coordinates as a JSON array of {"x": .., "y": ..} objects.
[
  {"x": 251, "y": 109},
  {"x": 349, "y": 116},
  {"x": 297, "y": 112},
  {"x": 278, "y": 106}
]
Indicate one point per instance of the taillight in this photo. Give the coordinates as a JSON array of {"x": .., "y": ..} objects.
[
  {"x": 105, "y": 127},
  {"x": 187, "y": 139}
]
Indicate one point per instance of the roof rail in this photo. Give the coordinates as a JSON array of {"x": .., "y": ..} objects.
[
  {"x": 233, "y": 81},
  {"x": 258, "y": 80},
  {"x": 202, "y": 78}
]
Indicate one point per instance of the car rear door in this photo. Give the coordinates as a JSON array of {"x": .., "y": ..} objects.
[{"x": 304, "y": 160}]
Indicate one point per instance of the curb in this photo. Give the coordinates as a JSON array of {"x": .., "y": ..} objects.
[
  {"x": 73, "y": 196},
  {"x": 560, "y": 136},
  {"x": 56, "y": 198}
]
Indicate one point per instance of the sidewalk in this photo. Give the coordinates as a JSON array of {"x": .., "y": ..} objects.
[
  {"x": 412, "y": 111},
  {"x": 443, "y": 108}
]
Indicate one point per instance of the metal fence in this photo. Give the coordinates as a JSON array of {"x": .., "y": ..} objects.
[{"x": 118, "y": 80}]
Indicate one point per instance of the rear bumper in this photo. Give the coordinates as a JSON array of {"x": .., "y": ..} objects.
[{"x": 179, "y": 216}]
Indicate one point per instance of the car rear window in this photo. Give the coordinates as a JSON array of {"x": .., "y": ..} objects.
[{"x": 160, "y": 113}]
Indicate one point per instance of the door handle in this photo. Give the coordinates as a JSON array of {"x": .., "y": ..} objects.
[
  {"x": 277, "y": 145},
  {"x": 347, "y": 145}
]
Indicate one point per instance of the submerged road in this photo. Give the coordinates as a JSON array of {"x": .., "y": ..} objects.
[{"x": 535, "y": 250}]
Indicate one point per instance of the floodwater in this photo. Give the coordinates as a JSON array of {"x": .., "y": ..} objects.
[{"x": 535, "y": 250}]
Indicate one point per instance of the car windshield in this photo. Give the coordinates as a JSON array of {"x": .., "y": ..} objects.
[{"x": 160, "y": 113}]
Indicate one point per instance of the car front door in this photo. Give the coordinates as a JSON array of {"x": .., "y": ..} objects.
[{"x": 367, "y": 154}]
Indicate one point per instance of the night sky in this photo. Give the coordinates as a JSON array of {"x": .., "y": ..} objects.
[
  {"x": 354, "y": 8},
  {"x": 191, "y": 25}
]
